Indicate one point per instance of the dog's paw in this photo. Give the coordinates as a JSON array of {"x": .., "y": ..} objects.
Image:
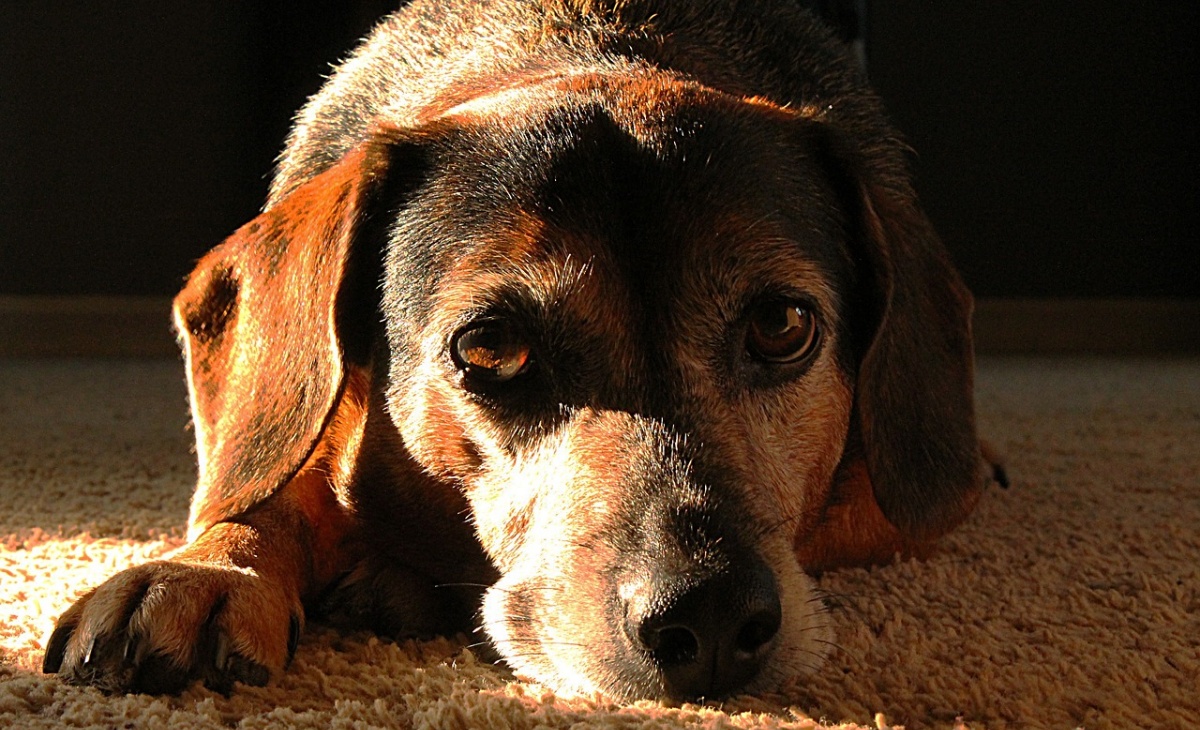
[{"x": 158, "y": 627}]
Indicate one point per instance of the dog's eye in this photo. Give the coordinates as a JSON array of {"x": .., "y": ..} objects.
[
  {"x": 781, "y": 331},
  {"x": 492, "y": 352}
]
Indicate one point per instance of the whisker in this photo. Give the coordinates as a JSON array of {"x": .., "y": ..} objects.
[
  {"x": 525, "y": 655},
  {"x": 848, "y": 608},
  {"x": 839, "y": 600},
  {"x": 588, "y": 546},
  {"x": 819, "y": 599},
  {"x": 528, "y": 646},
  {"x": 810, "y": 667},
  {"x": 856, "y": 661},
  {"x": 531, "y": 640},
  {"x": 510, "y": 591},
  {"x": 521, "y": 620},
  {"x": 770, "y": 528}
]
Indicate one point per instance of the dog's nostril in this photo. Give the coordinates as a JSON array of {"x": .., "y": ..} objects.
[
  {"x": 671, "y": 645},
  {"x": 757, "y": 631}
]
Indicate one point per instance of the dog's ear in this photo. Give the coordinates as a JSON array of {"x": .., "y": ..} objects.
[
  {"x": 914, "y": 399},
  {"x": 915, "y": 391},
  {"x": 265, "y": 328}
]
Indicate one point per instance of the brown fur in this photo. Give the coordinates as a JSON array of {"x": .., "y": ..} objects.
[{"x": 623, "y": 185}]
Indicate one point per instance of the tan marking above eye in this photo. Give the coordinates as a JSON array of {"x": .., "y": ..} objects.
[
  {"x": 491, "y": 352},
  {"x": 781, "y": 331}
]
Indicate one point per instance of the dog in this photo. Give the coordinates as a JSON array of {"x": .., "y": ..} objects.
[{"x": 590, "y": 325}]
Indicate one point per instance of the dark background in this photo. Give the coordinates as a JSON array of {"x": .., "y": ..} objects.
[{"x": 1057, "y": 142}]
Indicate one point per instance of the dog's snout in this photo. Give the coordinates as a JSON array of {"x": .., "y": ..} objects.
[{"x": 706, "y": 638}]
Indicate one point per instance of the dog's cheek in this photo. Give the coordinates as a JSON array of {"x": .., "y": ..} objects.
[
  {"x": 512, "y": 493},
  {"x": 805, "y": 634},
  {"x": 453, "y": 440},
  {"x": 546, "y": 520},
  {"x": 795, "y": 439},
  {"x": 434, "y": 425}
]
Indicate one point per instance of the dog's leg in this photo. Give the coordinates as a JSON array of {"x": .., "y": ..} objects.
[{"x": 228, "y": 606}]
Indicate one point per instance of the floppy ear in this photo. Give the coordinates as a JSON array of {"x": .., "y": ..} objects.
[
  {"x": 915, "y": 392},
  {"x": 262, "y": 328}
]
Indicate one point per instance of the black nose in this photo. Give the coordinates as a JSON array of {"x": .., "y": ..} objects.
[{"x": 706, "y": 637}]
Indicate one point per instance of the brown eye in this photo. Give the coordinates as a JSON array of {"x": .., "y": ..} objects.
[
  {"x": 781, "y": 331},
  {"x": 491, "y": 352}
]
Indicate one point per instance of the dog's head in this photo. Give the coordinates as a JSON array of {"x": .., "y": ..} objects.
[{"x": 635, "y": 322}]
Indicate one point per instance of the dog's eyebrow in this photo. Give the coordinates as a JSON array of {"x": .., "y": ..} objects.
[
  {"x": 524, "y": 288},
  {"x": 568, "y": 277},
  {"x": 771, "y": 253}
]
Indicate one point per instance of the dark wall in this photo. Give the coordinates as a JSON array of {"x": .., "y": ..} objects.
[
  {"x": 135, "y": 135},
  {"x": 1057, "y": 141}
]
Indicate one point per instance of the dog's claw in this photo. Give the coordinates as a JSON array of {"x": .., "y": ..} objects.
[
  {"x": 56, "y": 648},
  {"x": 158, "y": 674},
  {"x": 87, "y": 655},
  {"x": 132, "y": 655},
  {"x": 248, "y": 672},
  {"x": 221, "y": 656},
  {"x": 228, "y": 666},
  {"x": 293, "y": 640}
]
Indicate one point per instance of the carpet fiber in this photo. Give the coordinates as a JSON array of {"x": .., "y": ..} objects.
[{"x": 1071, "y": 599}]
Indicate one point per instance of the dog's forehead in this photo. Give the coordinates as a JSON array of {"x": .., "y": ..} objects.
[
  {"x": 589, "y": 129},
  {"x": 660, "y": 176}
]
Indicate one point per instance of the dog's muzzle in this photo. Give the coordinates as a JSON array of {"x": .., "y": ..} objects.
[{"x": 644, "y": 573}]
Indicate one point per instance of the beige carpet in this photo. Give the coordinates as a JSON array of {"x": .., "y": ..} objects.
[{"x": 1072, "y": 599}]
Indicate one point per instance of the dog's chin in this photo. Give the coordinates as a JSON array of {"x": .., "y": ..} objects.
[{"x": 577, "y": 649}]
